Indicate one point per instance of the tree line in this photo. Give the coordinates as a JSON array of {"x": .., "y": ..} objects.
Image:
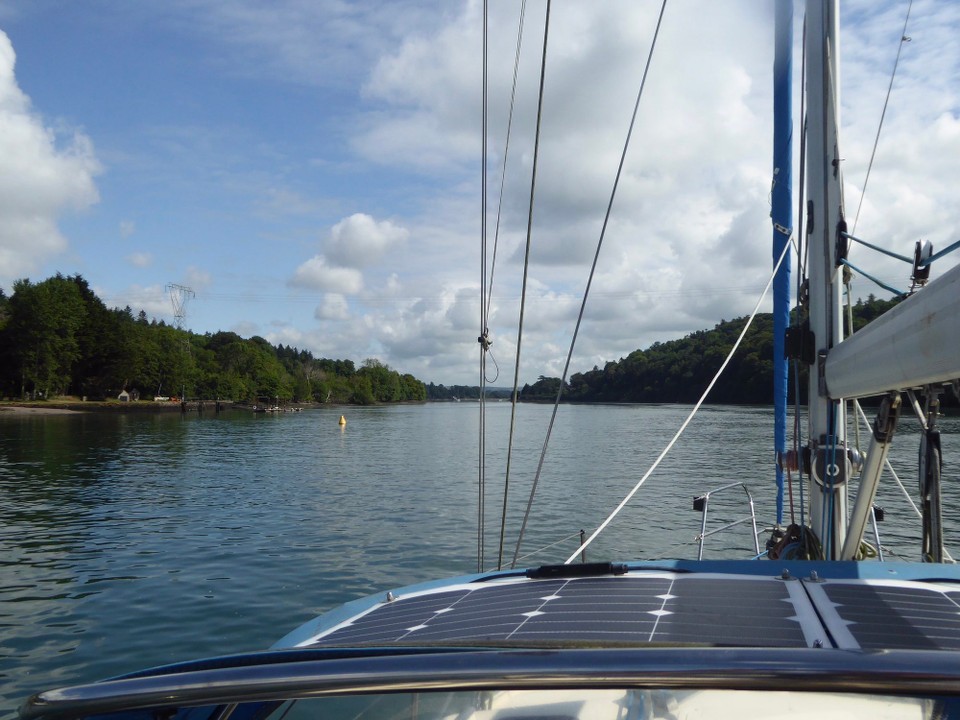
[
  {"x": 58, "y": 338},
  {"x": 679, "y": 371},
  {"x": 464, "y": 392}
]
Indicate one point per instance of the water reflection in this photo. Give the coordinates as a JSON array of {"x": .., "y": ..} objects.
[{"x": 131, "y": 540}]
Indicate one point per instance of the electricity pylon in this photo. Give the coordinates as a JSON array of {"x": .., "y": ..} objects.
[{"x": 179, "y": 294}]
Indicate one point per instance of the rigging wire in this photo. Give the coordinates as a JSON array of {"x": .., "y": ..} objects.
[
  {"x": 586, "y": 292},
  {"x": 483, "y": 180},
  {"x": 486, "y": 286},
  {"x": 571, "y": 536},
  {"x": 904, "y": 38},
  {"x": 936, "y": 256},
  {"x": 693, "y": 412},
  {"x": 506, "y": 154},
  {"x": 890, "y": 253},
  {"x": 523, "y": 292},
  {"x": 802, "y": 249},
  {"x": 483, "y": 339},
  {"x": 889, "y": 288}
]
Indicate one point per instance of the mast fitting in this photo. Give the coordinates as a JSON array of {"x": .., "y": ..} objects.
[
  {"x": 921, "y": 263},
  {"x": 799, "y": 343},
  {"x": 832, "y": 465},
  {"x": 843, "y": 243}
]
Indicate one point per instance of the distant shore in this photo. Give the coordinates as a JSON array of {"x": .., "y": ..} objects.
[
  {"x": 32, "y": 410},
  {"x": 73, "y": 406}
]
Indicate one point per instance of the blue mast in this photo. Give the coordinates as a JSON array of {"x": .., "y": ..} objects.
[{"x": 781, "y": 213}]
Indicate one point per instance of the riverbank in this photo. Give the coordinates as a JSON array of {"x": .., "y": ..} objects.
[
  {"x": 68, "y": 406},
  {"x": 31, "y": 410}
]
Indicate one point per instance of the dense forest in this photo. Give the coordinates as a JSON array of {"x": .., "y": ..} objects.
[
  {"x": 679, "y": 371},
  {"x": 58, "y": 338}
]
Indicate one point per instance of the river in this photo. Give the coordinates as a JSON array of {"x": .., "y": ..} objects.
[{"x": 130, "y": 540}]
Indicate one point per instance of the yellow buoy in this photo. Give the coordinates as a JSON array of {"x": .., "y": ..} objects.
[{"x": 343, "y": 420}]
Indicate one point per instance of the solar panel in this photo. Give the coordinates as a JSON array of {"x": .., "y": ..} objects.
[
  {"x": 758, "y": 612},
  {"x": 669, "y": 608},
  {"x": 634, "y": 609},
  {"x": 890, "y": 615}
]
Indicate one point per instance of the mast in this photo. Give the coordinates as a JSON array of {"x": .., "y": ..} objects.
[
  {"x": 782, "y": 217},
  {"x": 829, "y": 463}
]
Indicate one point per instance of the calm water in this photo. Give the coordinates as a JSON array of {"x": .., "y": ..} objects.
[{"x": 134, "y": 540}]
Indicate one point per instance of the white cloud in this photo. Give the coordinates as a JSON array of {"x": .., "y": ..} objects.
[
  {"x": 127, "y": 228},
  {"x": 688, "y": 240},
  {"x": 44, "y": 172},
  {"x": 392, "y": 286},
  {"x": 152, "y": 299},
  {"x": 689, "y": 237},
  {"x": 280, "y": 202},
  {"x": 197, "y": 279},
  {"x": 317, "y": 274},
  {"x": 140, "y": 259},
  {"x": 285, "y": 335},
  {"x": 430, "y": 84},
  {"x": 359, "y": 240},
  {"x": 245, "y": 329},
  {"x": 429, "y": 334},
  {"x": 333, "y": 307},
  {"x": 311, "y": 42}
]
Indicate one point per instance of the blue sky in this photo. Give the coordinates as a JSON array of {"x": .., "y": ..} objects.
[{"x": 311, "y": 169}]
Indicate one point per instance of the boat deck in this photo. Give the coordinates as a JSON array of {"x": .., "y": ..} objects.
[
  {"x": 660, "y": 607},
  {"x": 630, "y": 632}
]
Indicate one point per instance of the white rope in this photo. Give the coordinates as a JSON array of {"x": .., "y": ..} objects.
[{"x": 693, "y": 412}]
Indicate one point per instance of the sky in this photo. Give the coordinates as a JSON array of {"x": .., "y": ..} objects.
[{"x": 311, "y": 169}]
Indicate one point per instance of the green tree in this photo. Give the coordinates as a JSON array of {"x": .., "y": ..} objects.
[
  {"x": 302, "y": 387},
  {"x": 362, "y": 390},
  {"x": 57, "y": 335},
  {"x": 44, "y": 320},
  {"x": 106, "y": 347}
]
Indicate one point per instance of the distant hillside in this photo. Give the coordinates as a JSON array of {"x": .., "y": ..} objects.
[{"x": 678, "y": 371}]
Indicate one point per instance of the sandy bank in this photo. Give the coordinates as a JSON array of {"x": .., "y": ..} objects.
[{"x": 21, "y": 410}]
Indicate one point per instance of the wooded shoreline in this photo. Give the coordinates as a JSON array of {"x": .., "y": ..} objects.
[
  {"x": 74, "y": 407},
  {"x": 57, "y": 339},
  {"x": 66, "y": 407}
]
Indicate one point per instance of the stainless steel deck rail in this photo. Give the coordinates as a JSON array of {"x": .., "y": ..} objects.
[
  {"x": 702, "y": 502},
  {"x": 269, "y": 677}
]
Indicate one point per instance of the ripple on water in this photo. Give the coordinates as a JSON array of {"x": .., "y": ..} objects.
[{"x": 130, "y": 541}]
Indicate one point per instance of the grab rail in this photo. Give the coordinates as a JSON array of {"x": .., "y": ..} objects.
[
  {"x": 270, "y": 677},
  {"x": 701, "y": 503}
]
